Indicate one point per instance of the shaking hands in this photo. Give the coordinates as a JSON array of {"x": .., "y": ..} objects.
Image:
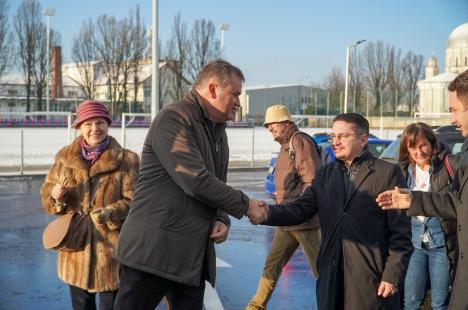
[{"x": 258, "y": 211}]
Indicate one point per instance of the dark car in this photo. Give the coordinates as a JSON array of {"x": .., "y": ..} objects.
[
  {"x": 450, "y": 135},
  {"x": 376, "y": 146}
]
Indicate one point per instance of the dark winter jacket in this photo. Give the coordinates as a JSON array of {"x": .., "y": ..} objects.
[
  {"x": 441, "y": 181},
  {"x": 454, "y": 206},
  {"x": 180, "y": 193},
  {"x": 362, "y": 245}
]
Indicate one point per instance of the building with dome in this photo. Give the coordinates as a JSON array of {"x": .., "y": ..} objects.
[{"x": 433, "y": 92}]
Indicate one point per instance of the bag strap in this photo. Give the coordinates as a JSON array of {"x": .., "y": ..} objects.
[
  {"x": 291, "y": 147},
  {"x": 448, "y": 166}
]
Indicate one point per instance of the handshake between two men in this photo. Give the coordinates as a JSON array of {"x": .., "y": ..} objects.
[{"x": 258, "y": 211}]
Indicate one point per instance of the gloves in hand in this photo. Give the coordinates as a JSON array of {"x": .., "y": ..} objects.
[{"x": 101, "y": 215}]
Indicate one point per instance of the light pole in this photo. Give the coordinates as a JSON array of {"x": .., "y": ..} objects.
[
  {"x": 347, "y": 73},
  {"x": 48, "y": 13},
  {"x": 223, "y": 27},
  {"x": 155, "y": 63}
]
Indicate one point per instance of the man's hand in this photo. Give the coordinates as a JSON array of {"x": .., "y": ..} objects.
[
  {"x": 398, "y": 198},
  {"x": 386, "y": 289},
  {"x": 220, "y": 232},
  {"x": 258, "y": 211},
  {"x": 101, "y": 215},
  {"x": 58, "y": 192}
]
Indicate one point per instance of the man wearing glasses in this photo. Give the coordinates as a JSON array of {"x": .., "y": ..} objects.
[{"x": 364, "y": 251}]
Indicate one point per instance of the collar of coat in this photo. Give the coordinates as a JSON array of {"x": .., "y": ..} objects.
[
  {"x": 201, "y": 114},
  {"x": 358, "y": 160},
  {"x": 284, "y": 140},
  {"x": 109, "y": 160}
]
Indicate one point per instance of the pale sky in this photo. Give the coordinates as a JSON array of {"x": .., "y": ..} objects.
[{"x": 286, "y": 42}]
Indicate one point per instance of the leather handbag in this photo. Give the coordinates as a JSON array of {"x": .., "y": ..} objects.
[{"x": 67, "y": 233}]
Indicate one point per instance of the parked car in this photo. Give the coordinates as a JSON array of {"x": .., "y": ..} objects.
[
  {"x": 450, "y": 135},
  {"x": 376, "y": 146}
]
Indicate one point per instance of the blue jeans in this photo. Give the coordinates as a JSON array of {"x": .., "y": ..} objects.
[{"x": 424, "y": 263}]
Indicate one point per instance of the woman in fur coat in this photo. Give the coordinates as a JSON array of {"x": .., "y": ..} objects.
[{"x": 96, "y": 176}]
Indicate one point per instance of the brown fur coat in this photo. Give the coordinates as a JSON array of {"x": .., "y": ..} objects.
[{"x": 95, "y": 268}]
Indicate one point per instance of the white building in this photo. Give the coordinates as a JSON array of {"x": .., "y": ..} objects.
[{"x": 433, "y": 89}]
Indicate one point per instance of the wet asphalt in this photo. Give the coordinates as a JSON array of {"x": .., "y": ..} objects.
[{"x": 28, "y": 278}]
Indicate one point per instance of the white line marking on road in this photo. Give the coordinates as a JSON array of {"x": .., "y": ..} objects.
[
  {"x": 222, "y": 264},
  {"x": 212, "y": 301}
]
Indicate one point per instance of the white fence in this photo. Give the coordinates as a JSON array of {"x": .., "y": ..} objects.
[{"x": 35, "y": 147}]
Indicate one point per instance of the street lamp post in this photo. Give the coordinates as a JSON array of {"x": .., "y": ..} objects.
[
  {"x": 48, "y": 13},
  {"x": 347, "y": 73},
  {"x": 223, "y": 27},
  {"x": 155, "y": 63}
]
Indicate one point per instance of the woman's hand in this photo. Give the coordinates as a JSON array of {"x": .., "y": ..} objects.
[
  {"x": 59, "y": 191},
  {"x": 101, "y": 215}
]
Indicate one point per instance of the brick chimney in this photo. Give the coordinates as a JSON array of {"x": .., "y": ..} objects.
[{"x": 56, "y": 89}]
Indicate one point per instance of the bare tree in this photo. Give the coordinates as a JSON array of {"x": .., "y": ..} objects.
[
  {"x": 412, "y": 68},
  {"x": 356, "y": 80},
  {"x": 6, "y": 39},
  {"x": 375, "y": 57},
  {"x": 396, "y": 78},
  {"x": 334, "y": 83},
  {"x": 126, "y": 67},
  {"x": 203, "y": 47},
  {"x": 84, "y": 55},
  {"x": 139, "y": 44},
  {"x": 40, "y": 68},
  {"x": 28, "y": 26},
  {"x": 110, "y": 52},
  {"x": 177, "y": 51}
]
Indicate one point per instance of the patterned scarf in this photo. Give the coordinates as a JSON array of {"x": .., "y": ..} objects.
[{"x": 92, "y": 153}]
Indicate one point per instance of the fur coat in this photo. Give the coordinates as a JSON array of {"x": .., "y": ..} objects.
[{"x": 94, "y": 268}]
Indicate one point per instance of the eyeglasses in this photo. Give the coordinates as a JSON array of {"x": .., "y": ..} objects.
[{"x": 343, "y": 137}]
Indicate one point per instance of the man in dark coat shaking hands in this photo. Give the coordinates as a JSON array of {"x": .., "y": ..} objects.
[{"x": 365, "y": 252}]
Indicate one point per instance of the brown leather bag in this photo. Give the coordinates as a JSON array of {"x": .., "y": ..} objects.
[{"x": 67, "y": 232}]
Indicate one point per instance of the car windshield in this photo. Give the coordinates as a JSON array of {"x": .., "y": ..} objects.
[
  {"x": 391, "y": 152},
  {"x": 453, "y": 141},
  {"x": 377, "y": 148}
]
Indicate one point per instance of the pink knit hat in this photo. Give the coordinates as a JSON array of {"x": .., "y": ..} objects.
[{"x": 91, "y": 109}]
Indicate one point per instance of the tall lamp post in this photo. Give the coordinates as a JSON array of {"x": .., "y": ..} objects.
[
  {"x": 223, "y": 27},
  {"x": 155, "y": 63},
  {"x": 347, "y": 73},
  {"x": 48, "y": 13}
]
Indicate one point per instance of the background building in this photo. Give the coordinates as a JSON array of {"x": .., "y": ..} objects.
[
  {"x": 433, "y": 89},
  {"x": 255, "y": 100}
]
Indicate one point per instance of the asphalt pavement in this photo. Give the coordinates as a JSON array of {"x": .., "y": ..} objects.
[{"x": 28, "y": 278}]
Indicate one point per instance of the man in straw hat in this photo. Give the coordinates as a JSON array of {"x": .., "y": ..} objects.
[{"x": 293, "y": 174}]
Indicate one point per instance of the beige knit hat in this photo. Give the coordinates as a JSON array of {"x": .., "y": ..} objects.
[{"x": 277, "y": 113}]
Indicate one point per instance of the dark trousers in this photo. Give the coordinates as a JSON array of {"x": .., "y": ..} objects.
[
  {"x": 84, "y": 300},
  {"x": 143, "y": 291}
]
